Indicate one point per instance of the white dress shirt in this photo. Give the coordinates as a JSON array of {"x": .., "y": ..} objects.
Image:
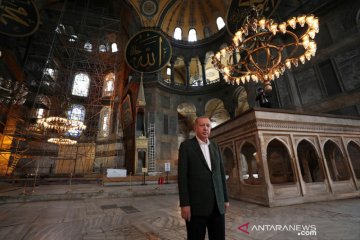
[{"x": 205, "y": 150}]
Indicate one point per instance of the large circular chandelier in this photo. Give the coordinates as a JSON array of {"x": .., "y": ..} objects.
[
  {"x": 62, "y": 141},
  {"x": 61, "y": 126},
  {"x": 262, "y": 49}
]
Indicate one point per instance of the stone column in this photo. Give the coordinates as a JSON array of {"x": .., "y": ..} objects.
[
  {"x": 187, "y": 80},
  {"x": 172, "y": 76},
  {"x": 202, "y": 61}
]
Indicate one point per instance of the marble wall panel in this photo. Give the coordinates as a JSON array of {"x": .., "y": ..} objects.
[
  {"x": 286, "y": 191},
  {"x": 316, "y": 188},
  {"x": 284, "y": 93},
  {"x": 348, "y": 64},
  {"x": 308, "y": 86}
]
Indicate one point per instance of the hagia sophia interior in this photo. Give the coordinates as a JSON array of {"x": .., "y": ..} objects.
[{"x": 88, "y": 86}]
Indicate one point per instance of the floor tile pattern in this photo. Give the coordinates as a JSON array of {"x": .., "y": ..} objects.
[{"x": 156, "y": 217}]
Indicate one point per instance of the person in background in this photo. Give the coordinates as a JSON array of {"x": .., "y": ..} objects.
[
  {"x": 262, "y": 98},
  {"x": 202, "y": 187}
]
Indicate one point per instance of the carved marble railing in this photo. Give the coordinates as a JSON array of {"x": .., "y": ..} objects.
[{"x": 277, "y": 157}]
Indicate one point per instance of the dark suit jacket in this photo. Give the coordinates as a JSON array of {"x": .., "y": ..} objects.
[{"x": 199, "y": 187}]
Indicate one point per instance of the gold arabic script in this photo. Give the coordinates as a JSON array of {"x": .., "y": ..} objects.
[{"x": 13, "y": 13}]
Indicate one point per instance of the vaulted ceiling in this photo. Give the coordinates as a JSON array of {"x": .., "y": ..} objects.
[
  {"x": 108, "y": 21},
  {"x": 185, "y": 14},
  {"x": 202, "y": 14}
]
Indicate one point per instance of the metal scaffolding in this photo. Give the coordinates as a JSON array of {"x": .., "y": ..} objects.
[
  {"x": 60, "y": 44},
  {"x": 152, "y": 148}
]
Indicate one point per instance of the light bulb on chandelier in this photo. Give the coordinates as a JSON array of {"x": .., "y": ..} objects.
[
  {"x": 262, "y": 49},
  {"x": 60, "y": 124},
  {"x": 62, "y": 141}
]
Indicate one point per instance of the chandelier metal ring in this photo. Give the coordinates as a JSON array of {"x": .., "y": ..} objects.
[{"x": 262, "y": 48}]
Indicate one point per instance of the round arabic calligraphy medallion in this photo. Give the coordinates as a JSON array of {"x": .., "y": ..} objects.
[
  {"x": 149, "y": 8},
  {"x": 148, "y": 51},
  {"x": 18, "y": 18}
]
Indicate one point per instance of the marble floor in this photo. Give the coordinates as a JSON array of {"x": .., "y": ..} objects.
[{"x": 157, "y": 216}]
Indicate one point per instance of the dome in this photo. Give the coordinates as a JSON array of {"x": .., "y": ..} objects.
[
  {"x": 200, "y": 15},
  {"x": 206, "y": 17}
]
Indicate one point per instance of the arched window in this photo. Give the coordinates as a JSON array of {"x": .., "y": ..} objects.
[
  {"x": 167, "y": 76},
  {"x": 108, "y": 87},
  {"x": 102, "y": 48},
  {"x": 88, "y": 46},
  {"x": 50, "y": 72},
  {"x": 178, "y": 33},
  {"x": 192, "y": 35},
  {"x": 215, "y": 110},
  {"x": 81, "y": 85},
  {"x": 114, "y": 47},
  {"x": 43, "y": 105},
  {"x": 73, "y": 38},
  {"x": 40, "y": 113},
  {"x": 220, "y": 23},
  {"x": 104, "y": 122},
  {"x": 76, "y": 112}
]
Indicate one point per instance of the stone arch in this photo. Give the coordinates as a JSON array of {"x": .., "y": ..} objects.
[
  {"x": 212, "y": 75},
  {"x": 186, "y": 118},
  {"x": 229, "y": 158},
  {"x": 42, "y": 106},
  {"x": 354, "y": 154},
  {"x": 215, "y": 110},
  {"x": 336, "y": 162},
  {"x": 309, "y": 161},
  {"x": 279, "y": 163},
  {"x": 249, "y": 167},
  {"x": 179, "y": 71},
  {"x": 240, "y": 99},
  {"x": 352, "y": 17},
  {"x": 196, "y": 78}
]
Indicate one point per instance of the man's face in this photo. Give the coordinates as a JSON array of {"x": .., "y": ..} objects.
[{"x": 203, "y": 128}]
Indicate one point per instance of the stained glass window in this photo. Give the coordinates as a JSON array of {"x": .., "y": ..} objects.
[
  {"x": 105, "y": 121},
  {"x": 81, "y": 85},
  {"x": 108, "y": 87},
  {"x": 76, "y": 112}
]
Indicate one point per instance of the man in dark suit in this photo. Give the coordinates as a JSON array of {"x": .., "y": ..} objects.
[{"x": 202, "y": 186}]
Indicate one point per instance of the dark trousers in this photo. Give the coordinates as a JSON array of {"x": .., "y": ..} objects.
[{"x": 215, "y": 224}]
